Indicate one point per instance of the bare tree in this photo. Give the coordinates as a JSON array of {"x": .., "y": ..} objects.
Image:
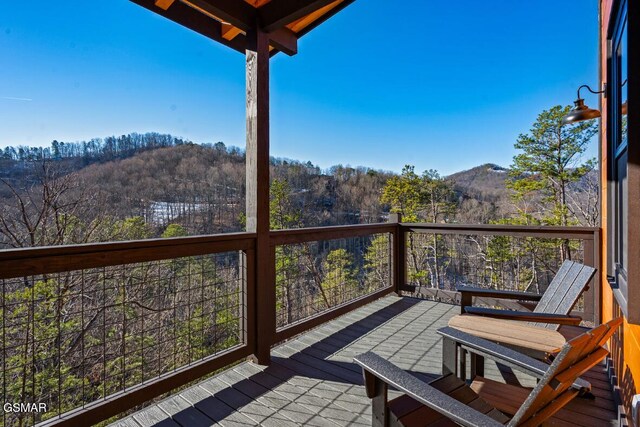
[{"x": 49, "y": 209}]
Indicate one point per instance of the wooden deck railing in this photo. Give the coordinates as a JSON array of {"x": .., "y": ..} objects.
[
  {"x": 95, "y": 330},
  {"x": 501, "y": 256}
]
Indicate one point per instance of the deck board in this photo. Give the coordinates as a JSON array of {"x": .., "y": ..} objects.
[{"x": 313, "y": 381}]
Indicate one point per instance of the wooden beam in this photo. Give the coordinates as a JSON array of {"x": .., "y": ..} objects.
[
  {"x": 257, "y": 3},
  {"x": 164, "y": 4},
  {"x": 196, "y": 21},
  {"x": 257, "y": 184},
  {"x": 301, "y": 235},
  {"x": 54, "y": 259},
  {"x": 237, "y": 13},
  {"x": 284, "y": 40},
  {"x": 229, "y": 32},
  {"x": 201, "y": 10},
  {"x": 324, "y": 17},
  {"x": 279, "y": 13},
  {"x": 305, "y": 21}
]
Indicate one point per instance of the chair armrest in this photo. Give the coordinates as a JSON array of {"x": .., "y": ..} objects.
[
  {"x": 423, "y": 392},
  {"x": 494, "y": 293},
  {"x": 504, "y": 355},
  {"x": 525, "y": 316},
  {"x": 496, "y": 352}
]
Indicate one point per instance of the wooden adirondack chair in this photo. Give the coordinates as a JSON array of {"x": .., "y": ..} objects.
[
  {"x": 483, "y": 402},
  {"x": 535, "y": 332}
]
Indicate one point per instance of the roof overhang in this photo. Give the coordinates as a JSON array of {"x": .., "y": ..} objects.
[{"x": 228, "y": 21}]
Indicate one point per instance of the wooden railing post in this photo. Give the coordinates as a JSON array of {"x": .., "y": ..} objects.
[
  {"x": 247, "y": 272},
  {"x": 398, "y": 254},
  {"x": 257, "y": 196},
  {"x": 592, "y": 294}
]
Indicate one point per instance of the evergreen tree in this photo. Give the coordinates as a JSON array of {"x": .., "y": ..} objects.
[
  {"x": 174, "y": 230},
  {"x": 426, "y": 198},
  {"x": 283, "y": 215},
  {"x": 550, "y": 160},
  {"x": 376, "y": 263},
  {"x": 403, "y": 193},
  {"x": 339, "y": 283}
]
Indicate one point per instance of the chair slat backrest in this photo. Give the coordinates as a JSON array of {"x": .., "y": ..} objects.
[
  {"x": 564, "y": 290},
  {"x": 555, "y": 389}
]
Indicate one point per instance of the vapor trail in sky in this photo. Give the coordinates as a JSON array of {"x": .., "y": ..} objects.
[{"x": 13, "y": 98}]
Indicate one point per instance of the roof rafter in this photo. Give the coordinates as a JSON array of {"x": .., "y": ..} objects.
[
  {"x": 164, "y": 4},
  {"x": 237, "y": 13},
  {"x": 324, "y": 17},
  {"x": 229, "y": 21},
  {"x": 196, "y": 21},
  {"x": 229, "y": 31},
  {"x": 279, "y": 13},
  {"x": 284, "y": 40}
]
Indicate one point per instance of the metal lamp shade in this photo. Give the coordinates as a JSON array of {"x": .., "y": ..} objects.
[{"x": 580, "y": 112}]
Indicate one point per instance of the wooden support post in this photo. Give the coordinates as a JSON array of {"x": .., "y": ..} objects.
[
  {"x": 591, "y": 296},
  {"x": 257, "y": 197},
  {"x": 399, "y": 254}
]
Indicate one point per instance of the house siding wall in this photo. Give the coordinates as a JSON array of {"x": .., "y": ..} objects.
[{"x": 625, "y": 345}]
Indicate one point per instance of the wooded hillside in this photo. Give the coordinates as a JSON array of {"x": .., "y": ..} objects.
[{"x": 135, "y": 186}]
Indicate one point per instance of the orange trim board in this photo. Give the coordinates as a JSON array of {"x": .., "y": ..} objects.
[
  {"x": 229, "y": 31},
  {"x": 632, "y": 352},
  {"x": 164, "y": 4},
  {"x": 201, "y": 10},
  {"x": 305, "y": 21}
]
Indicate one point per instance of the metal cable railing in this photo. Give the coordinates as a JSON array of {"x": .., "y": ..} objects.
[{"x": 92, "y": 331}]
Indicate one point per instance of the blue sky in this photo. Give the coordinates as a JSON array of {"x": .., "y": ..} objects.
[{"x": 440, "y": 85}]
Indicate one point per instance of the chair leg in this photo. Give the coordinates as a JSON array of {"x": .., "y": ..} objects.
[
  {"x": 477, "y": 366},
  {"x": 466, "y": 299},
  {"x": 463, "y": 365},
  {"x": 449, "y": 357},
  {"x": 377, "y": 391}
]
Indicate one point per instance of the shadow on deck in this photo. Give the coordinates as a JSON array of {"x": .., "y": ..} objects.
[{"x": 313, "y": 381}]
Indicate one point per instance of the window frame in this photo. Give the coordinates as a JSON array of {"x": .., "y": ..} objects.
[{"x": 623, "y": 257}]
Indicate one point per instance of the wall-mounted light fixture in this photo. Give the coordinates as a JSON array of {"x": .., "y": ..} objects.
[{"x": 582, "y": 112}]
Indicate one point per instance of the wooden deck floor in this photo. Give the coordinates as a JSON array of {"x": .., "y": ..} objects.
[{"x": 313, "y": 381}]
